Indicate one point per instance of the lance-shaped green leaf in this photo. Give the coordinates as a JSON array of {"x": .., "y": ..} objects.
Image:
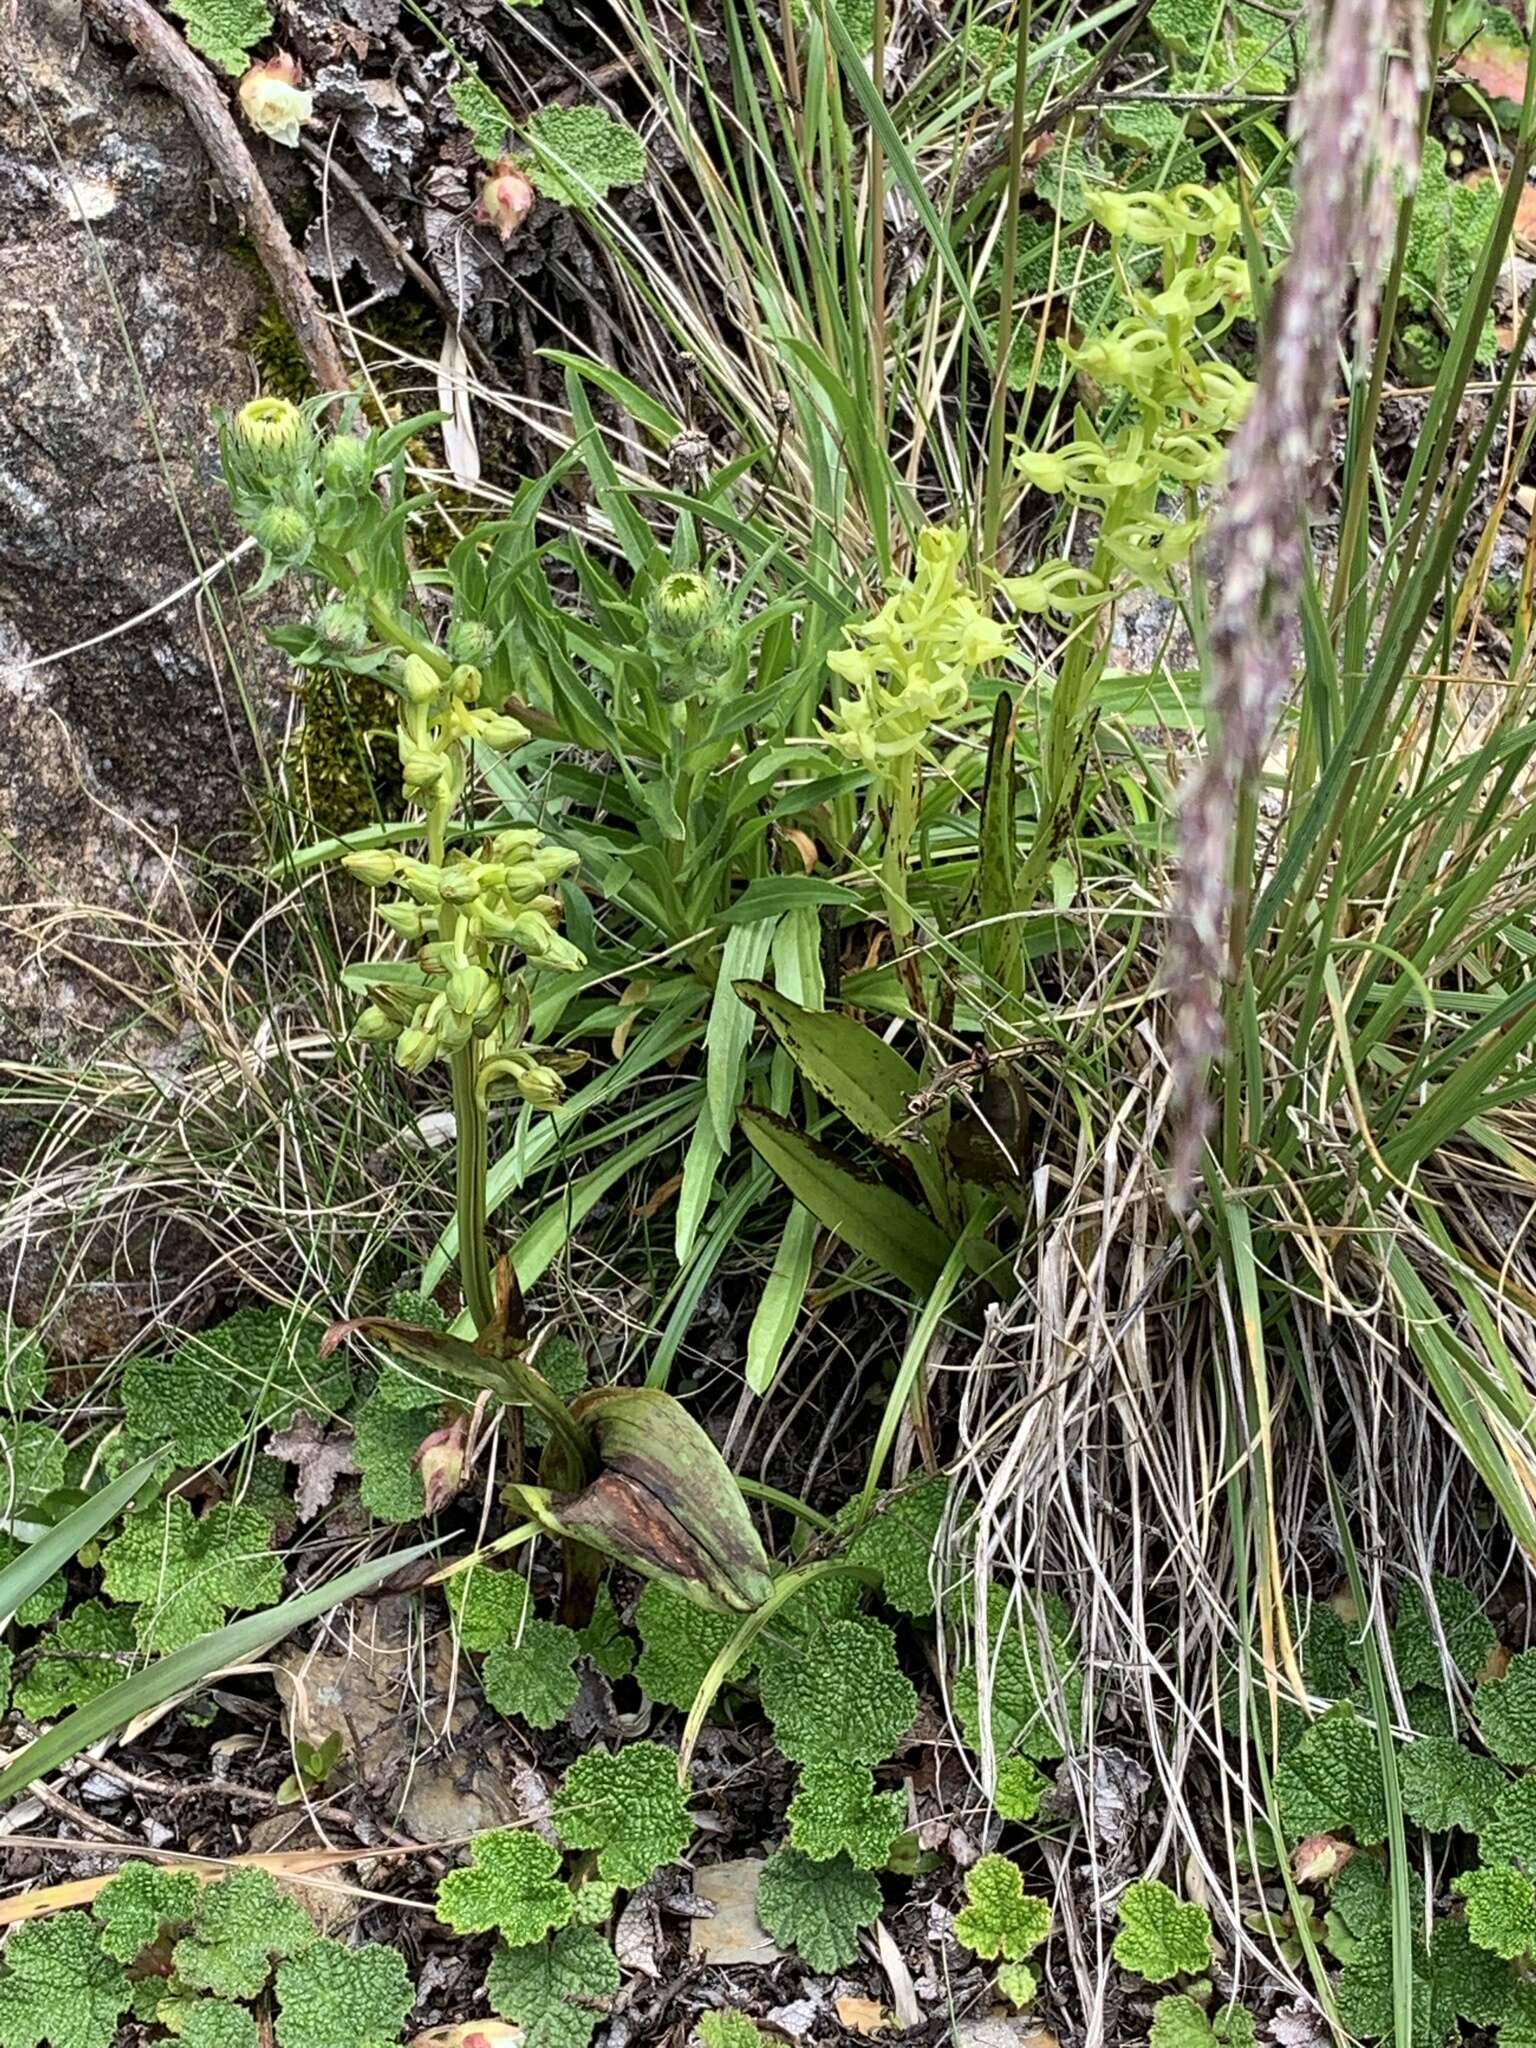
[
  {"x": 847, "y": 1064},
  {"x": 664, "y": 1501},
  {"x": 868, "y": 1216}
]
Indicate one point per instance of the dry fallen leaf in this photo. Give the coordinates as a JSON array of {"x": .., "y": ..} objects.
[
  {"x": 859, "y": 2015},
  {"x": 320, "y": 1460}
]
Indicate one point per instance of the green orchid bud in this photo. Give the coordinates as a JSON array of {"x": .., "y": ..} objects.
[
  {"x": 466, "y": 987},
  {"x": 419, "y": 681},
  {"x": 460, "y": 885},
  {"x": 423, "y": 882},
  {"x": 274, "y": 438},
  {"x": 681, "y": 606},
  {"x": 285, "y": 534},
  {"x": 523, "y": 879},
  {"x": 454, "y": 1032},
  {"x": 471, "y": 642},
  {"x": 554, "y": 861},
  {"x": 341, "y": 629},
  {"x": 501, "y": 734},
  {"x": 465, "y": 683},
  {"x": 405, "y": 919},
  {"x": 421, "y": 769},
  {"x": 551, "y": 951},
  {"x": 373, "y": 1027},
  {"x": 441, "y": 956},
  {"x": 416, "y": 1049},
  {"x": 513, "y": 844},
  {"x": 375, "y": 867},
  {"x": 539, "y": 1086},
  {"x": 347, "y": 462}
]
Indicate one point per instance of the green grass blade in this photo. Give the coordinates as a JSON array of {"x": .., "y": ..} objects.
[
  {"x": 53, "y": 1550},
  {"x": 177, "y": 1673}
]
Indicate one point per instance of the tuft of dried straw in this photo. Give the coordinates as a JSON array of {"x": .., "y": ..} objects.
[{"x": 1356, "y": 132}]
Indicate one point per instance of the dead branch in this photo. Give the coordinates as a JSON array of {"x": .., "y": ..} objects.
[{"x": 176, "y": 71}]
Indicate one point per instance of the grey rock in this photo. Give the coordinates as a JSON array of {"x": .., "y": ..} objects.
[
  {"x": 121, "y": 311},
  {"x": 122, "y": 307}
]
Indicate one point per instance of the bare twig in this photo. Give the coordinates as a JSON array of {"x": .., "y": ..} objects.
[
  {"x": 178, "y": 72},
  {"x": 379, "y": 226}
]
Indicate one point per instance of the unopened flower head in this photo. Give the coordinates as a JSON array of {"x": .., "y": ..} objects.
[
  {"x": 506, "y": 199},
  {"x": 683, "y": 605},
  {"x": 470, "y": 641},
  {"x": 273, "y": 437},
  {"x": 285, "y": 534},
  {"x": 346, "y": 463},
  {"x": 273, "y": 101},
  {"x": 341, "y": 629}
]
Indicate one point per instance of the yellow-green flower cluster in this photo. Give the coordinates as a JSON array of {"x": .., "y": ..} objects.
[
  {"x": 911, "y": 666},
  {"x": 439, "y": 717},
  {"x": 465, "y": 914},
  {"x": 1184, "y": 401}
]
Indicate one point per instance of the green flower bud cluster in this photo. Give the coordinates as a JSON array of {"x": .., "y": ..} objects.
[
  {"x": 911, "y": 666},
  {"x": 291, "y": 489},
  {"x": 462, "y": 916},
  {"x": 440, "y": 716},
  {"x": 691, "y": 635},
  {"x": 1181, "y": 401}
]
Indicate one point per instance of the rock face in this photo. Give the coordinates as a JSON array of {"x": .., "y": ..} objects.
[{"x": 121, "y": 312}]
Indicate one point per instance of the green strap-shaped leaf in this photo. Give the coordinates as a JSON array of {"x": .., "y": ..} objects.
[
  {"x": 847, "y": 1064},
  {"x": 867, "y": 1216}
]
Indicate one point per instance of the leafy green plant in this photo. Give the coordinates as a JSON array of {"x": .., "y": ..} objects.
[
  {"x": 135, "y": 1906},
  {"x": 225, "y": 30},
  {"x": 77, "y": 1661},
  {"x": 843, "y": 1699},
  {"x": 242, "y": 1923},
  {"x": 837, "y": 1810},
  {"x": 628, "y": 1805},
  {"x": 1161, "y": 1936},
  {"x": 331, "y": 1996},
  {"x": 817, "y": 1908},
  {"x": 1452, "y": 226},
  {"x": 185, "y": 1573},
  {"x": 58, "y": 1986},
  {"x": 512, "y": 1883},
  {"x": 728, "y": 2030},
  {"x": 999, "y": 1918},
  {"x": 534, "y": 1674},
  {"x": 554, "y": 1989}
]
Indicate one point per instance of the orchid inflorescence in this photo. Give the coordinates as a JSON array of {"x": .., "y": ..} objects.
[{"x": 1181, "y": 400}]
